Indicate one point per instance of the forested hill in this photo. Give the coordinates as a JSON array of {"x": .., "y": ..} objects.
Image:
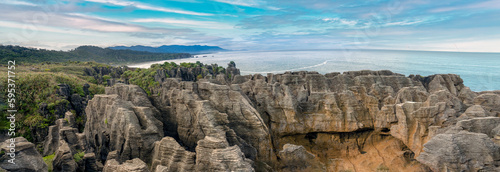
[
  {"x": 82, "y": 53},
  {"x": 193, "y": 49}
]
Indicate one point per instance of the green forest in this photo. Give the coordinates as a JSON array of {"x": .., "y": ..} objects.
[{"x": 82, "y": 54}]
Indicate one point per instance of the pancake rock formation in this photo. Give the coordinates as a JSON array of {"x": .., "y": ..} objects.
[
  {"x": 299, "y": 121},
  {"x": 295, "y": 121}
]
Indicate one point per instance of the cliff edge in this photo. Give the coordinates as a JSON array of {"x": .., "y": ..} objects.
[{"x": 295, "y": 121}]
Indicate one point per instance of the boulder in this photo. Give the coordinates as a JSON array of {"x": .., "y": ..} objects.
[
  {"x": 474, "y": 111},
  {"x": 484, "y": 125},
  {"x": 63, "y": 160},
  {"x": 296, "y": 158},
  {"x": 161, "y": 168},
  {"x": 64, "y": 90},
  {"x": 77, "y": 103},
  {"x": 463, "y": 151},
  {"x": 90, "y": 163},
  {"x": 26, "y": 157},
  {"x": 86, "y": 87},
  {"x": 168, "y": 156},
  {"x": 134, "y": 165},
  {"x": 213, "y": 154}
]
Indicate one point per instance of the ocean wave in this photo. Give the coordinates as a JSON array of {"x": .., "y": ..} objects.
[{"x": 293, "y": 69}]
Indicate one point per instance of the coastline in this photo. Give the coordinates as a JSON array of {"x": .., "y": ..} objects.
[{"x": 476, "y": 69}]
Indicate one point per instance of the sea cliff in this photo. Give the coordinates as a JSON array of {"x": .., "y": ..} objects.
[{"x": 294, "y": 121}]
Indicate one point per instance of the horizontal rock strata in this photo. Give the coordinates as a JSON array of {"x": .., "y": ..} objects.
[{"x": 295, "y": 121}]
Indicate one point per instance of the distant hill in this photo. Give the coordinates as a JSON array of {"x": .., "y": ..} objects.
[
  {"x": 192, "y": 49},
  {"x": 82, "y": 53}
]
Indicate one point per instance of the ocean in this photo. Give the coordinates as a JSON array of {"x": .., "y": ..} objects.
[{"x": 480, "y": 71}]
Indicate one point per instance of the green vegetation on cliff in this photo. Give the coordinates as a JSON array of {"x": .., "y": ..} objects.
[
  {"x": 147, "y": 78},
  {"x": 82, "y": 53},
  {"x": 39, "y": 101},
  {"x": 48, "y": 160},
  {"x": 36, "y": 86},
  {"x": 144, "y": 78}
]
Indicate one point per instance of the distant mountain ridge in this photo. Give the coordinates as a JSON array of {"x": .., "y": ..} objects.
[{"x": 192, "y": 49}]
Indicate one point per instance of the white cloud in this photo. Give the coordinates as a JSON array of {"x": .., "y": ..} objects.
[
  {"x": 248, "y": 3},
  {"x": 417, "y": 20},
  {"x": 148, "y": 7},
  {"x": 93, "y": 17},
  {"x": 330, "y": 19},
  {"x": 404, "y": 23},
  {"x": 83, "y": 22},
  {"x": 32, "y": 28},
  {"x": 191, "y": 23},
  {"x": 492, "y": 4},
  {"x": 485, "y": 45},
  {"x": 341, "y": 21},
  {"x": 16, "y": 2}
]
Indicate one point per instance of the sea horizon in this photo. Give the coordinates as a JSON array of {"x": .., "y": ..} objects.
[{"x": 477, "y": 74}]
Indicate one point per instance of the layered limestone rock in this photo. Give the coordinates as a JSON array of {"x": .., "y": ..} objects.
[
  {"x": 64, "y": 130},
  {"x": 213, "y": 154},
  {"x": 123, "y": 120},
  {"x": 463, "y": 151},
  {"x": 64, "y": 141},
  {"x": 23, "y": 155},
  {"x": 168, "y": 153},
  {"x": 467, "y": 146},
  {"x": 63, "y": 160},
  {"x": 297, "y": 121},
  {"x": 134, "y": 165},
  {"x": 296, "y": 158},
  {"x": 90, "y": 163},
  {"x": 206, "y": 109}
]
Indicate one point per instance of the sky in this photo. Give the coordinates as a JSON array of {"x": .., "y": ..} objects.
[{"x": 445, "y": 25}]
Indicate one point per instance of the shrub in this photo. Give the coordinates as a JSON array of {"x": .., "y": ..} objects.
[
  {"x": 48, "y": 160},
  {"x": 36, "y": 87},
  {"x": 79, "y": 156},
  {"x": 106, "y": 77},
  {"x": 382, "y": 168}
]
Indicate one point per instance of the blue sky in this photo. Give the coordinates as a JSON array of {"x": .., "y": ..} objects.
[{"x": 446, "y": 25}]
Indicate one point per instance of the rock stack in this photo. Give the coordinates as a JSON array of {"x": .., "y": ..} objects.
[{"x": 295, "y": 121}]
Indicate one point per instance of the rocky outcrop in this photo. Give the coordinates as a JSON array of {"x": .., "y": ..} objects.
[
  {"x": 463, "y": 151},
  {"x": 468, "y": 146},
  {"x": 296, "y": 158},
  {"x": 64, "y": 141},
  {"x": 90, "y": 164},
  {"x": 123, "y": 120},
  {"x": 199, "y": 110},
  {"x": 64, "y": 130},
  {"x": 23, "y": 155},
  {"x": 134, "y": 165},
  {"x": 231, "y": 70},
  {"x": 168, "y": 153},
  {"x": 63, "y": 160},
  {"x": 213, "y": 154},
  {"x": 98, "y": 72},
  {"x": 192, "y": 73},
  {"x": 296, "y": 121},
  {"x": 70, "y": 102}
]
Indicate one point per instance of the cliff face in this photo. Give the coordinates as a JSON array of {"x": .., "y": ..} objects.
[{"x": 296, "y": 121}]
